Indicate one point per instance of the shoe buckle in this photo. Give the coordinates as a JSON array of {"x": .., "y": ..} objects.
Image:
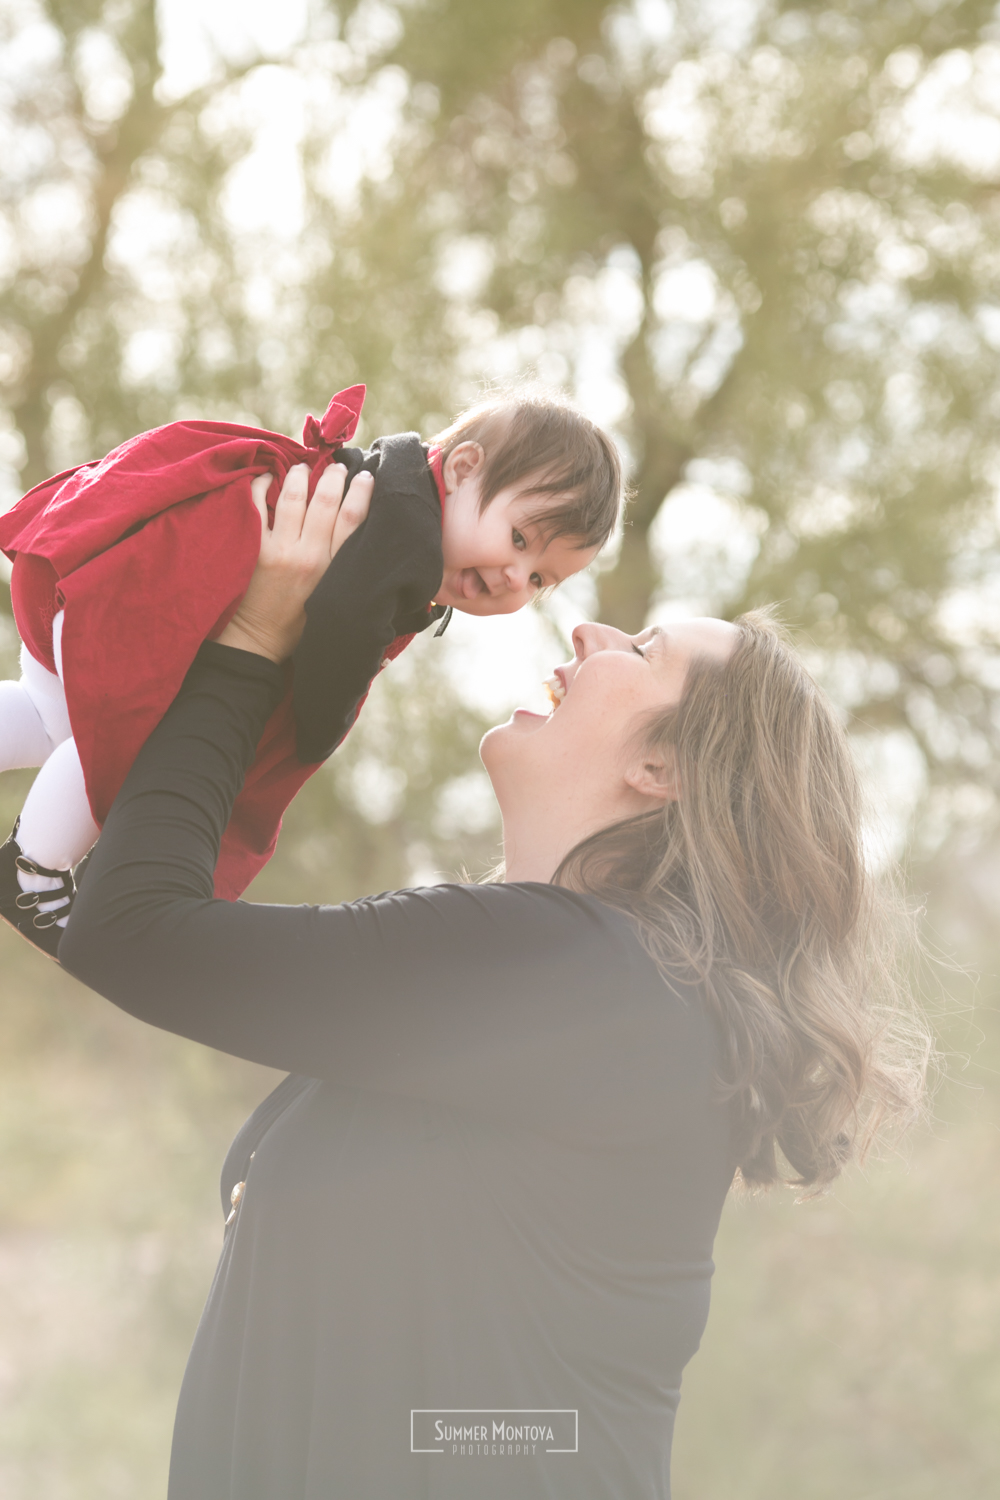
[
  {"x": 44, "y": 919},
  {"x": 32, "y": 867},
  {"x": 26, "y": 900}
]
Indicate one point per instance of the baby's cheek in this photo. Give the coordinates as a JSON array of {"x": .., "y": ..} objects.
[{"x": 504, "y": 604}]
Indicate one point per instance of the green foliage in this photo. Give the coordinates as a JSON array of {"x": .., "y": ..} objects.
[
  {"x": 804, "y": 312},
  {"x": 812, "y": 330}
]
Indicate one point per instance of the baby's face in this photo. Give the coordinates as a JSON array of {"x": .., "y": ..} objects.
[{"x": 495, "y": 562}]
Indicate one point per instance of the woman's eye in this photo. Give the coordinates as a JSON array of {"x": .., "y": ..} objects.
[
  {"x": 519, "y": 541},
  {"x": 535, "y": 580}
]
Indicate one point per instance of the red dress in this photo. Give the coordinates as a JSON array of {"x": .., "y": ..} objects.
[{"x": 149, "y": 552}]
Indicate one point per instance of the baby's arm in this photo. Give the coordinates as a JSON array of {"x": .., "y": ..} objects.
[{"x": 378, "y": 588}]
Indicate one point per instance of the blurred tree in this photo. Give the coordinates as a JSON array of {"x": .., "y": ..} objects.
[
  {"x": 741, "y": 225},
  {"x": 755, "y": 207},
  {"x": 93, "y": 154},
  {"x": 131, "y": 294}
]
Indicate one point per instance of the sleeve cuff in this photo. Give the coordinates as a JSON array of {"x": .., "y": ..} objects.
[{"x": 238, "y": 663}]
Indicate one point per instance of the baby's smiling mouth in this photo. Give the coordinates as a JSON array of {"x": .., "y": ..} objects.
[{"x": 471, "y": 583}]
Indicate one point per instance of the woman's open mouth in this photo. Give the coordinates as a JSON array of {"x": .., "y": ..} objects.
[{"x": 555, "y": 686}]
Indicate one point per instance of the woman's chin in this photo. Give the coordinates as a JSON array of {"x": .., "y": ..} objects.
[{"x": 521, "y": 723}]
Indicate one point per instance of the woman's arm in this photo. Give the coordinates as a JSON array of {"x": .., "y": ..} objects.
[{"x": 524, "y": 1003}]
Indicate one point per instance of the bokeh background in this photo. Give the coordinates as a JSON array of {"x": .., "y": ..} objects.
[{"x": 761, "y": 241}]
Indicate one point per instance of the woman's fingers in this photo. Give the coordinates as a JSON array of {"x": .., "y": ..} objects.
[
  {"x": 353, "y": 509},
  {"x": 258, "y": 494},
  {"x": 294, "y": 554},
  {"x": 324, "y": 507},
  {"x": 305, "y": 536},
  {"x": 320, "y": 527},
  {"x": 290, "y": 507},
  {"x": 332, "y": 515}
]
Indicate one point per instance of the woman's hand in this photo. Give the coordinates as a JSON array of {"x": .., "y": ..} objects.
[{"x": 294, "y": 555}]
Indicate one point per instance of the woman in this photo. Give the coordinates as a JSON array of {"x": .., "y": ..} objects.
[{"x": 489, "y": 1189}]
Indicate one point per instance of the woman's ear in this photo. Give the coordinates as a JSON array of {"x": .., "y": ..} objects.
[
  {"x": 655, "y": 775},
  {"x": 463, "y": 462}
]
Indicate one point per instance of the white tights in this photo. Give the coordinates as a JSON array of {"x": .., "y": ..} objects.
[{"x": 56, "y": 827}]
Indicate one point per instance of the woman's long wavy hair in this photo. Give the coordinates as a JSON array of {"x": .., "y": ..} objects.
[{"x": 753, "y": 887}]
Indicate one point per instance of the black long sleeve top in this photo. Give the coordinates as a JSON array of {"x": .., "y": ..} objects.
[{"x": 490, "y": 1185}]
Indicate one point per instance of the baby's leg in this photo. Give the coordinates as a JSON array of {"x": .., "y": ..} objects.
[
  {"x": 56, "y": 828},
  {"x": 24, "y": 740},
  {"x": 47, "y": 695}
]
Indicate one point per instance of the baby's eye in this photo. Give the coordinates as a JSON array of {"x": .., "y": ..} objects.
[
  {"x": 638, "y": 651},
  {"x": 535, "y": 580},
  {"x": 519, "y": 541}
]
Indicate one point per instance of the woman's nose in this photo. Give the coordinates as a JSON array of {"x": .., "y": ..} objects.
[{"x": 593, "y": 636}]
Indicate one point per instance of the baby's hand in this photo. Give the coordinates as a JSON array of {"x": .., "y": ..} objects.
[{"x": 294, "y": 554}]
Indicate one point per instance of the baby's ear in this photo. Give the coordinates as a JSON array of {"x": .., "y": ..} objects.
[
  {"x": 655, "y": 775},
  {"x": 463, "y": 462}
]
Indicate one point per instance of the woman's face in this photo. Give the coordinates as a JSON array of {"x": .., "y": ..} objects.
[{"x": 582, "y": 749}]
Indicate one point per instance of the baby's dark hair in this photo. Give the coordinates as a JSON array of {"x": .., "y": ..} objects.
[{"x": 559, "y": 451}]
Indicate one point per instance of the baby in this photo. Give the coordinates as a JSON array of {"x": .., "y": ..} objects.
[{"x": 123, "y": 568}]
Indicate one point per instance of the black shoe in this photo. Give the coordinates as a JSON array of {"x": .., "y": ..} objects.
[
  {"x": 80, "y": 870},
  {"x": 21, "y": 908}
]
